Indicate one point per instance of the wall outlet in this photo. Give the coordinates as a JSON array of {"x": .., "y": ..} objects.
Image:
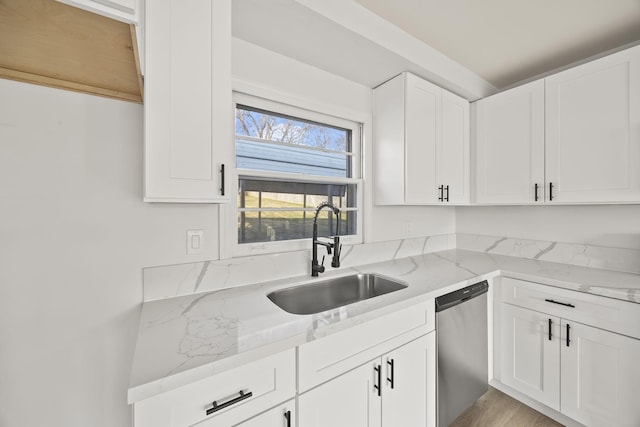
[
  {"x": 195, "y": 241},
  {"x": 408, "y": 228}
]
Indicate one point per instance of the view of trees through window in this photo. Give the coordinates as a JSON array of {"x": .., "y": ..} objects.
[{"x": 282, "y": 207}]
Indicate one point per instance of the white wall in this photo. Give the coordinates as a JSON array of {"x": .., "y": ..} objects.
[
  {"x": 74, "y": 237},
  {"x": 605, "y": 225},
  {"x": 278, "y": 77}
]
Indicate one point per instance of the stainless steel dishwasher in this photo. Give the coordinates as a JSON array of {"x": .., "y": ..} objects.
[{"x": 461, "y": 325}]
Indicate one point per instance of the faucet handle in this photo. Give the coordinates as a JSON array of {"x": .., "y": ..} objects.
[
  {"x": 337, "y": 247},
  {"x": 322, "y": 262}
]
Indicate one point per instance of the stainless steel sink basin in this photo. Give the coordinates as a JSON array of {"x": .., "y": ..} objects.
[{"x": 333, "y": 293}]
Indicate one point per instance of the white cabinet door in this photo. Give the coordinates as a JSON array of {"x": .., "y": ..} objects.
[
  {"x": 281, "y": 416},
  {"x": 453, "y": 150},
  {"x": 530, "y": 353},
  {"x": 509, "y": 156},
  {"x": 408, "y": 397},
  {"x": 122, "y": 10},
  {"x": 188, "y": 107},
  {"x": 388, "y": 148},
  {"x": 593, "y": 131},
  {"x": 349, "y": 400},
  {"x": 600, "y": 376},
  {"x": 422, "y": 136}
]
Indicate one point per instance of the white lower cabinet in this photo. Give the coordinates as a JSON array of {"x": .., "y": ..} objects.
[
  {"x": 587, "y": 373},
  {"x": 529, "y": 358},
  {"x": 396, "y": 389},
  {"x": 225, "y": 399},
  {"x": 346, "y": 401},
  {"x": 409, "y": 384},
  {"x": 600, "y": 376},
  {"x": 379, "y": 373},
  {"x": 281, "y": 416}
]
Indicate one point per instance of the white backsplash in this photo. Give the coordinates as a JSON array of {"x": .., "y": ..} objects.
[
  {"x": 184, "y": 279},
  {"x": 618, "y": 259}
]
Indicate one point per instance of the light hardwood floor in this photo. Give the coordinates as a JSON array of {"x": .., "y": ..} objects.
[{"x": 496, "y": 409}]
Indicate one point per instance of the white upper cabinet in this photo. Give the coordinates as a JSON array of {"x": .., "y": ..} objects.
[
  {"x": 573, "y": 137},
  {"x": 188, "y": 108},
  {"x": 593, "y": 131},
  {"x": 422, "y": 132},
  {"x": 509, "y": 156},
  {"x": 122, "y": 10},
  {"x": 453, "y": 165},
  {"x": 421, "y": 144}
]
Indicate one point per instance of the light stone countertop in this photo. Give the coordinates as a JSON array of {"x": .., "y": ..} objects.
[{"x": 188, "y": 338}]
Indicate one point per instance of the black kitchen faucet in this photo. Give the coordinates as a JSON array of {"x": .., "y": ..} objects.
[{"x": 335, "y": 245}]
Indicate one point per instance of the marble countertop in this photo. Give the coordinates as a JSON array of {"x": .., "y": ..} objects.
[{"x": 188, "y": 338}]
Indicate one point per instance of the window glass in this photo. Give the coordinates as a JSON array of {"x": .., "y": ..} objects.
[
  {"x": 266, "y": 141},
  {"x": 288, "y": 166}
]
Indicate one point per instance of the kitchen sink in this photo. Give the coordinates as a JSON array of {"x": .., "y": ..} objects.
[{"x": 333, "y": 293}]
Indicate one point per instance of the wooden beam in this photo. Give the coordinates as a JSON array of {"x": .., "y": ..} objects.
[
  {"x": 49, "y": 43},
  {"x": 136, "y": 59}
]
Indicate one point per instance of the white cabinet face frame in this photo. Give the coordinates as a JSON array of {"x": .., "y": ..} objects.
[{"x": 509, "y": 151}]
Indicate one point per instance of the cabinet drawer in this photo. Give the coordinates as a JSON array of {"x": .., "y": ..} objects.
[
  {"x": 326, "y": 358},
  {"x": 270, "y": 381},
  {"x": 606, "y": 313}
]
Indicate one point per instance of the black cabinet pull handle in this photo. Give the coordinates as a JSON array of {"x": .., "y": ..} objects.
[
  {"x": 222, "y": 179},
  {"x": 441, "y": 189},
  {"x": 551, "y": 191},
  {"x": 447, "y": 188},
  {"x": 550, "y": 329},
  {"x": 390, "y": 363},
  {"x": 560, "y": 303},
  {"x": 536, "y": 192},
  {"x": 287, "y": 416},
  {"x": 568, "y": 339},
  {"x": 217, "y": 407},
  {"x": 378, "y": 386}
]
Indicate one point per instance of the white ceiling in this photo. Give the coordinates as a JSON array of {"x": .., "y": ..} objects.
[
  {"x": 506, "y": 41},
  {"x": 470, "y": 47}
]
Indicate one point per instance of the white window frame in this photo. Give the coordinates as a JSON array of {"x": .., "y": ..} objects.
[{"x": 247, "y": 249}]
